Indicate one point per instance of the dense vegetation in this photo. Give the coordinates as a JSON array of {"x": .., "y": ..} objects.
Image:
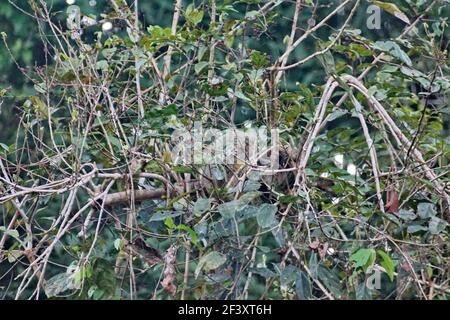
[{"x": 118, "y": 178}]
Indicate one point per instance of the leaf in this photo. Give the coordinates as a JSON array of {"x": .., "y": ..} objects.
[
  {"x": 102, "y": 65},
  {"x": 263, "y": 272},
  {"x": 327, "y": 60},
  {"x": 118, "y": 244},
  {"x": 363, "y": 292},
  {"x": 193, "y": 16},
  {"x": 406, "y": 215},
  {"x": 182, "y": 169},
  {"x": 228, "y": 40},
  {"x": 200, "y": 66},
  {"x": 363, "y": 258},
  {"x": 160, "y": 216},
  {"x": 209, "y": 262},
  {"x": 13, "y": 255},
  {"x": 315, "y": 244},
  {"x": 247, "y": 212},
  {"x": 416, "y": 228},
  {"x": 41, "y": 87},
  {"x": 394, "y": 50},
  {"x": 246, "y": 198},
  {"x": 4, "y": 147},
  {"x": 437, "y": 225},
  {"x": 228, "y": 210},
  {"x": 241, "y": 95},
  {"x": 393, "y": 203},
  {"x": 192, "y": 233},
  {"x": 59, "y": 283},
  {"x": 288, "y": 276},
  {"x": 426, "y": 210},
  {"x": 303, "y": 286},
  {"x": 392, "y": 9},
  {"x": 387, "y": 264},
  {"x": 201, "y": 206},
  {"x": 258, "y": 59},
  {"x": 11, "y": 233},
  {"x": 331, "y": 280},
  {"x": 279, "y": 236},
  {"x": 323, "y": 249},
  {"x": 251, "y": 185},
  {"x": 251, "y": 14},
  {"x": 266, "y": 215}
]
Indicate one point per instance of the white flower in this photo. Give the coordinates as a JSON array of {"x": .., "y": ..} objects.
[
  {"x": 107, "y": 26},
  {"x": 216, "y": 80}
]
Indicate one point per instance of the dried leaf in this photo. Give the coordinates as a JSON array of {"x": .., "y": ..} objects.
[
  {"x": 314, "y": 245},
  {"x": 323, "y": 250},
  {"x": 169, "y": 271},
  {"x": 392, "y": 201},
  {"x": 392, "y": 9}
]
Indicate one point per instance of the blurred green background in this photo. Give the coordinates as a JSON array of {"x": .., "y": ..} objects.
[{"x": 22, "y": 48}]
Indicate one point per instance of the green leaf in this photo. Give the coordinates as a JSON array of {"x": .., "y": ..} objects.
[
  {"x": 182, "y": 169},
  {"x": 193, "y": 16},
  {"x": 60, "y": 283},
  {"x": 4, "y": 147},
  {"x": 266, "y": 215},
  {"x": 246, "y": 198},
  {"x": 192, "y": 233},
  {"x": 11, "y": 233},
  {"x": 426, "y": 210},
  {"x": 437, "y": 225},
  {"x": 200, "y": 66},
  {"x": 41, "y": 87},
  {"x": 288, "y": 276},
  {"x": 102, "y": 65},
  {"x": 364, "y": 258},
  {"x": 228, "y": 209},
  {"x": 406, "y": 215},
  {"x": 303, "y": 286},
  {"x": 118, "y": 244},
  {"x": 13, "y": 255},
  {"x": 251, "y": 185},
  {"x": 241, "y": 95},
  {"x": 394, "y": 50},
  {"x": 209, "y": 262},
  {"x": 263, "y": 272},
  {"x": 416, "y": 228},
  {"x": 326, "y": 59},
  {"x": 392, "y": 9},
  {"x": 169, "y": 223},
  {"x": 258, "y": 59},
  {"x": 387, "y": 264},
  {"x": 160, "y": 216},
  {"x": 331, "y": 280},
  {"x": 363, "y": 292},
  {"x": 228, "y": 40},
  {"x": 251, "y": 14},
  {"x": 201, "y": 206}
]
